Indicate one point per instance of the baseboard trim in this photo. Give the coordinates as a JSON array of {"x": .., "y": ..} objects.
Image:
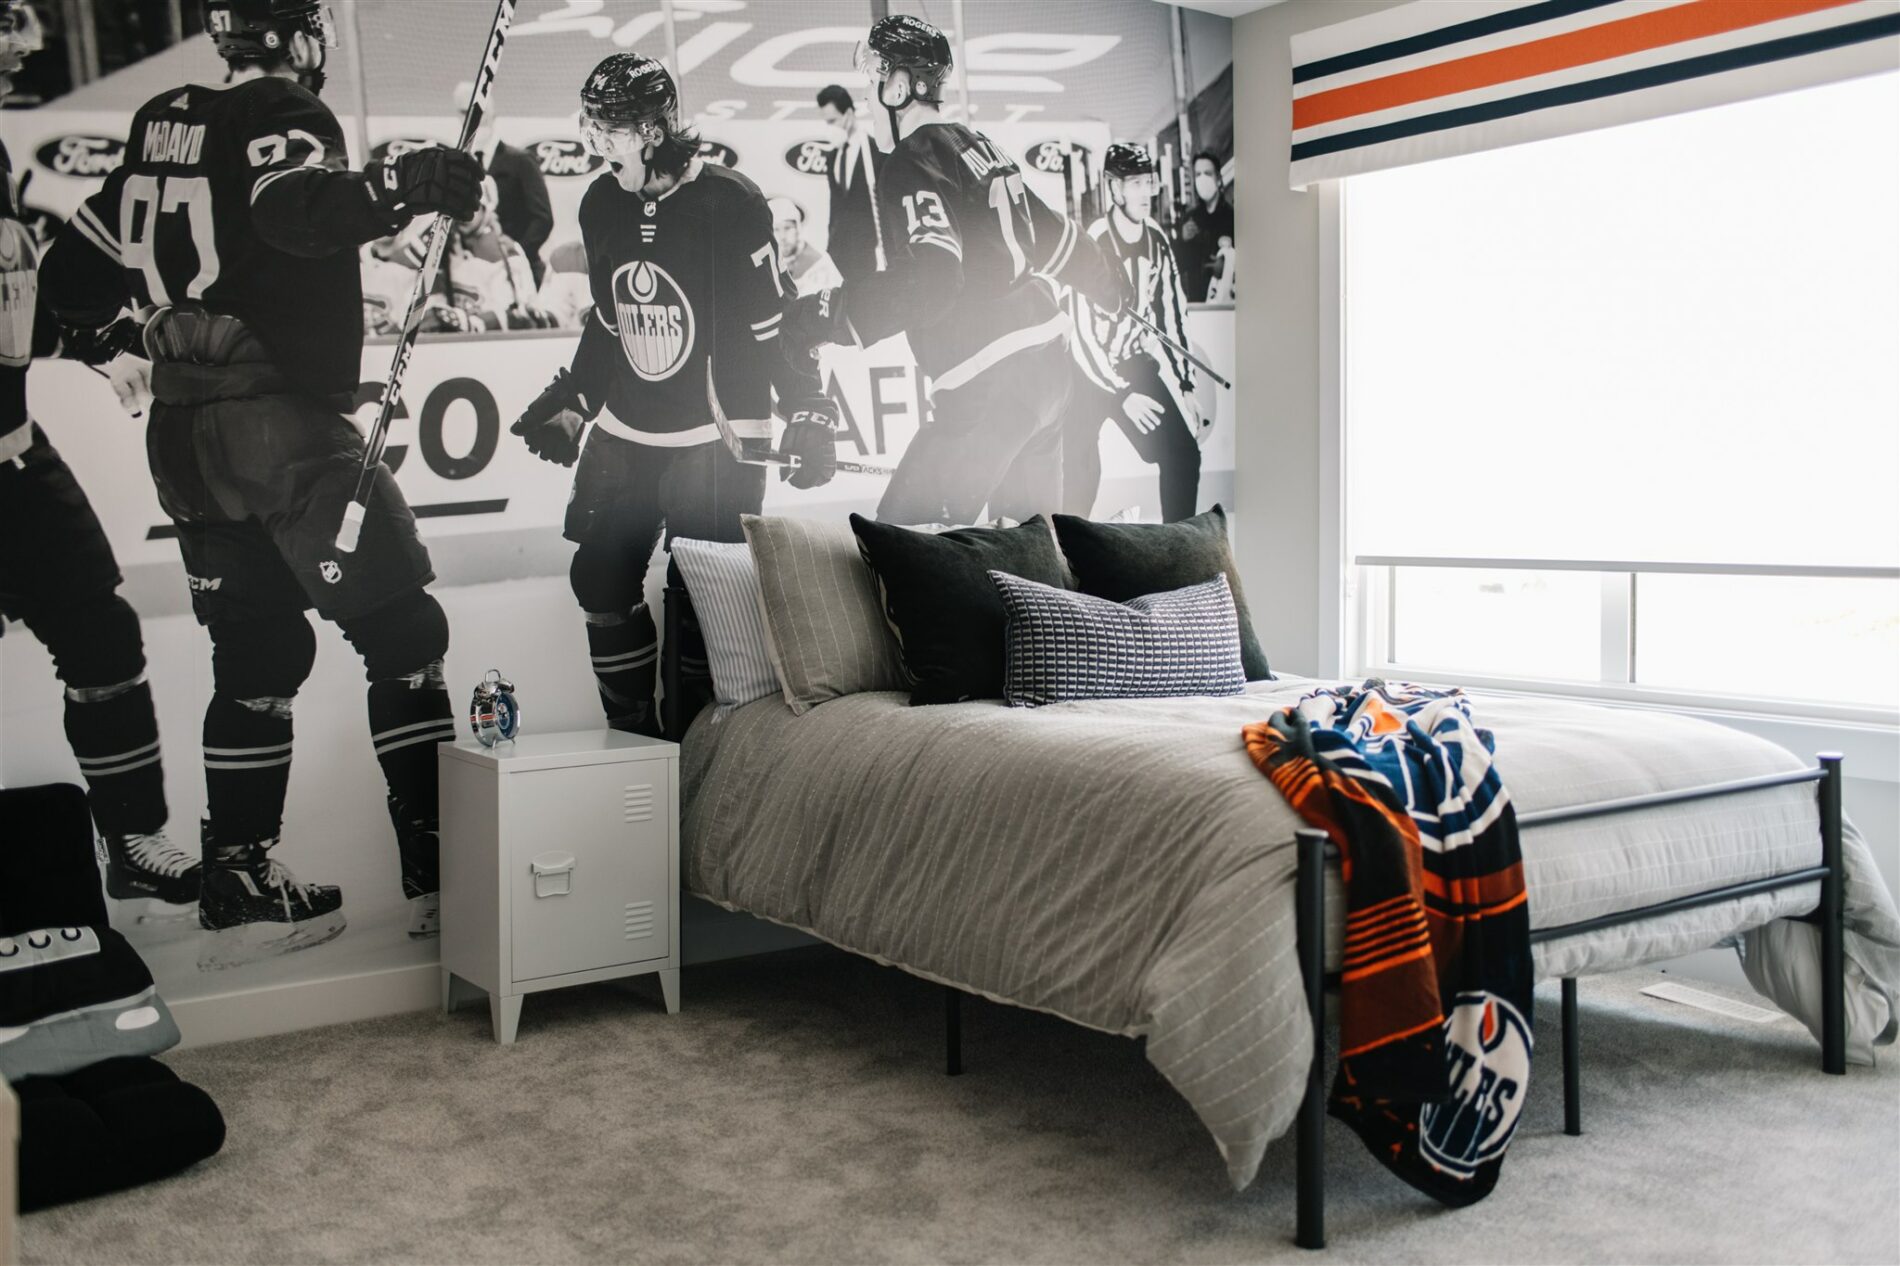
[
  {"x": 707, "y": 934},
  {"x": 232, "y": 1017}
]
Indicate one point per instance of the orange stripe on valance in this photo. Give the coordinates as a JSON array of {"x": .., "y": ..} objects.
[{"x": 1620, "y": 38}]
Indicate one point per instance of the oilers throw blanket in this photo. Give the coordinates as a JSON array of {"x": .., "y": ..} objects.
[{"x": 1435, "y": 983}]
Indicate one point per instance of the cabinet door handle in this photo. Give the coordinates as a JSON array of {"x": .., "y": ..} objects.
[{"x": 553, "y": 874}]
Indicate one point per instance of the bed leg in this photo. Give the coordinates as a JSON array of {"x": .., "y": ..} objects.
[
  {"x": 1833, "y": 922},
  {"x": 1573, "y": 1073},
  {"x": 1310, "y": 922},
  {"x": 952, "y": 1032}
]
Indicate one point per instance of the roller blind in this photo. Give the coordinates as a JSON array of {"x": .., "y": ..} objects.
[
  {"x": 1673, "y": 341},
  {"x": 1437, "y": 78}
]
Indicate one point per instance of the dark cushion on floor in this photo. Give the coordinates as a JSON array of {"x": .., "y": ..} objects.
[
  {"x": 114, "y": 1125},
  {"x": 1123, "y": 561},
  {"x": 117, "y": 1123},
  {"x": 48, "y": 875},
  {"x": 939, "y": 599}
]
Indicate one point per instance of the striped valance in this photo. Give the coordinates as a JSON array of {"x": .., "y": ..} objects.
[{"x": 1441, "y": 77}]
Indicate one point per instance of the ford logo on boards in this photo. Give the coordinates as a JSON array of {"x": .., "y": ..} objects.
[
  {"x": 1051, "y": 156},
  {"x": 810, "y": 158},
  {"x": 86, "y": 157},
  {"x": 559, "y": 158}
]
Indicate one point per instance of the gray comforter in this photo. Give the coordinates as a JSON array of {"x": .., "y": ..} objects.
[{"x": 1122, "y": 864}]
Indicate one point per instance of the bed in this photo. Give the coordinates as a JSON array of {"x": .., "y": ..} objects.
[{"x": 1122, "y": 864}]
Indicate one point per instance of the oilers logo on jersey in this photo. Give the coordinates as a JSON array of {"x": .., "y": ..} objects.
[
  {"x": 1488, "y": 1054},
  {"x": 655, "y": 320}
]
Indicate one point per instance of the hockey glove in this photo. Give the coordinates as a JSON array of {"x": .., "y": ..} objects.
[
  {"x": 98, "y": 347},
  {"x": 812, "y": 321},
  {"x": 529, "y": 316},
  {"x": 424, "y": 181},
  {"x": 551, "y": 426},
  {"x": 446, "y": 318},
  {"x": 811, "y": 437}
]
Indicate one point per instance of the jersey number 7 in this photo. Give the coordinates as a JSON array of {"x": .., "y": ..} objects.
[{"x": 149, "y": 206}]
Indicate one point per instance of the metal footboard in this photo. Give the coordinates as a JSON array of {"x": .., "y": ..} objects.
[
  {"x": 1310, "y": 907},
  {"x": 1310, "y": 920}
]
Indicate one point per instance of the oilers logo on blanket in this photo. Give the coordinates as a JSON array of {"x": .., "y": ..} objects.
[
  {"x": 656, "y": 319},
  {"x": 1488, "y": 1056}
]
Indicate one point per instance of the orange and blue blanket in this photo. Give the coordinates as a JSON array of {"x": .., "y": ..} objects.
[{"x": 1435, "y": 983}]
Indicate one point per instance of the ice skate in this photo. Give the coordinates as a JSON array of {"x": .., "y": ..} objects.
[
  {"x": 416, "y": 842},
  {"x": 425, "y": 916},
  {"x": 153, "y": 880},
  {"x": 255, "y": 908}
]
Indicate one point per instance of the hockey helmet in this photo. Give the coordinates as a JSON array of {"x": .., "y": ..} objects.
[
  {"x": 902, "y": 42},
  {"x": 627, "y": 103},
  {"x": 1128, "y": 158},
  {"x": 1134, "y": 180},
  {"x": 260, "y": 30}
]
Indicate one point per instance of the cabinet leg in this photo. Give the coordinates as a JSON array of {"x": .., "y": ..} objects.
[
  {"x": 670, "y": 990},
  {"x": 448, "y": 991},
  {"x": 505, "y": 1015}
]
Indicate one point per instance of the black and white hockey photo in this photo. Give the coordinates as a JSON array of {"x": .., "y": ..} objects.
[
  {"x": 778, "y": 270},
  {"x": 799, "y": 631}
]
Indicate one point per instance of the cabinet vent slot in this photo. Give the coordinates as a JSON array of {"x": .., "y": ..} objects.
[
  {"x": 638, "y": 803},
  {"x": 639, "y": 919}
]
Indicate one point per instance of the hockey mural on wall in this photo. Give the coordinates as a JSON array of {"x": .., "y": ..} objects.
[{"x": 806, "y": 277}]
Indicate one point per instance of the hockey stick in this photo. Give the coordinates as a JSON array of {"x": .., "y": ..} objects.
[
  {"x": 1166, "y": 342},
  {"x": 479, "y": 98},
  {"x": 735, "y": 443}
]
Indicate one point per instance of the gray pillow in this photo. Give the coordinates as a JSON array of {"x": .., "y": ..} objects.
[
  {"x": 1061, "y": 645},
  {"x": 724, "y": 586},
  {"x": 824, "y": 627}
]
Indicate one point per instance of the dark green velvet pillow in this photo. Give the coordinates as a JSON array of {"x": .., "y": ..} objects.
[
  {"x": 939, "y": 599},
  {"x": 1122, "y": 561}
]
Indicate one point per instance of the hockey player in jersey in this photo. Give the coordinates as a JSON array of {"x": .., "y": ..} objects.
[
  {"x": 235, "y": 222},
  {"x": 1126, "y": 374},
  {"x": 677, "y": 368},
  {"x": 58, "y": 576},
  {"x": 971, "y": 252}
]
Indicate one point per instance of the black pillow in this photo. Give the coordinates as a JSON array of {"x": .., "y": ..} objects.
[
  {"x": 939, "y": 599},
  {"x": 1122, "y": 561}
]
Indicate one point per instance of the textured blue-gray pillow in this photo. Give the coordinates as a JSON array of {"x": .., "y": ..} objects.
[{"x": 1060, "y": 645}]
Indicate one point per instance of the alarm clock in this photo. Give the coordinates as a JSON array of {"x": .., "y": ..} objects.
[{"x": 493, "y": 713}]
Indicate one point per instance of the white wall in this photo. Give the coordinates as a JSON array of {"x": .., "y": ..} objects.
[{"x": 1276, "y": 336}]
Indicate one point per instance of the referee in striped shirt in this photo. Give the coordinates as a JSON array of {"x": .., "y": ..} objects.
[{"x": 1124, "y": 373}]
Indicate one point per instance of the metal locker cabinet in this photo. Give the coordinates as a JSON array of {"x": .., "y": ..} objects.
[
  {"x": 606, "y": 825},
  {"x": 560, "y": 866}
]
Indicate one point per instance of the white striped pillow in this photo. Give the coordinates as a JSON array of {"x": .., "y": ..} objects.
[{"x": 724, "y": 585}]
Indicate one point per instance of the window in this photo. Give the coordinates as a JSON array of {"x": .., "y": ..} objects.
[{"x": 1622, "y": 409}]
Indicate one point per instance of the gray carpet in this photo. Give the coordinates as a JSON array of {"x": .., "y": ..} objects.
[{"x": 795, "y": 1111}]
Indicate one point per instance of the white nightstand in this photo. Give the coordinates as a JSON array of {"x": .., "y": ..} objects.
[{"x": 560, "y": 866}]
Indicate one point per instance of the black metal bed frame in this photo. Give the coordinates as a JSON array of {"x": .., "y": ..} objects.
[
  {"x": 1310, "y": 922},
  {"x": 687, "y": 693}
]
